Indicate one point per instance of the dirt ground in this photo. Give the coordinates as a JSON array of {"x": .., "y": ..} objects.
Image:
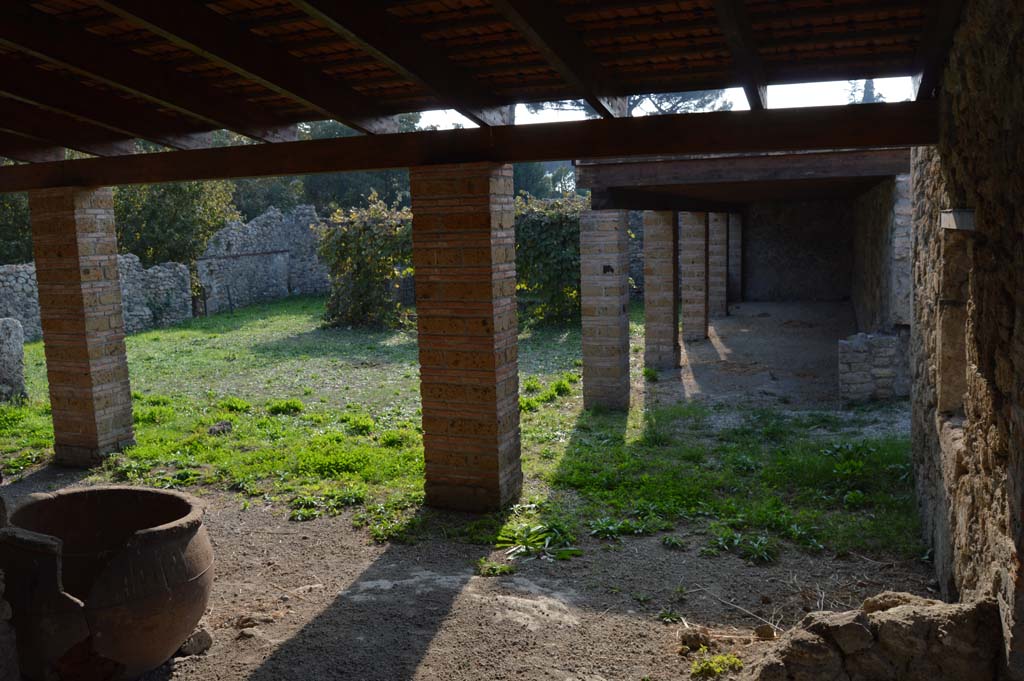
[{"x": 318, "y": 600}]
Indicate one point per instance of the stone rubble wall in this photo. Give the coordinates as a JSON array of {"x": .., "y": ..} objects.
[
  {"x": 874, "y": 367},
  {"x": 969, "y": 463},
  {"x": 271, "y": 257},
  {"x": 12, "y": 360},
  {"x": 150, "y": 298}
]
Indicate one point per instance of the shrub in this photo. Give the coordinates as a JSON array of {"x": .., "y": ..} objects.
[
  {"x": 548, "y": 256},
  {"x": 364, "y": 248},
  {"x": 234, "y": 404},
  {"x": 288, "y": 407}
]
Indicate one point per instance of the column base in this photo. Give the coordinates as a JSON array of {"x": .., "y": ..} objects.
[{"x": 75, "y": 456}]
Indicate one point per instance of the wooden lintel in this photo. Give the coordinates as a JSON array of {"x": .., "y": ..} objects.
[
  {"x": 637, "y": 199},
  {"x": 694, "y": 171},
  {"x": 865, "y": 125}
]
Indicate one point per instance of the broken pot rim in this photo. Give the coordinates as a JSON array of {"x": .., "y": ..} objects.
[{"x": 186, "y": 523}]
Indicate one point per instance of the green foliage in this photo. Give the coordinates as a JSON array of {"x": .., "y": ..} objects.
[
  {"x": 288, "y": 407},
  {"x": 650, "y": 375},
  {"x": 15, "y": 229},
  {"x": 163, "y": 222},
  {"x": 709, "y": 666},
  {"x": 550, "y": 542},
  {"x": 234, "y": 404},
  {"x": 363, "y": 249},
  {"x": 548, "y": 256}
]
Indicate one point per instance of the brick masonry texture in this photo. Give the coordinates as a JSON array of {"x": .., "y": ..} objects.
[
  {"x": 693, "y": 274},
  {"x": 970, "y": 465},
  {"x": 12, "y": 360},
  {"x": 718, "y": 264},
  {"x": 797, "y": 250},
  {"x": 464, "y": 255},
  {"x": 735, "y": 275},
  {"x": 150, "y": 298},
  {"x": 271, "y": 257},
  {"x": 661, "y": 290},
  {"x": 75, "y": 251},
  {"x": 604, "y": 298}
]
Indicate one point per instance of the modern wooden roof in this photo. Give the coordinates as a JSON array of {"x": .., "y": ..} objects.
[{"x": 95, "y": 75}]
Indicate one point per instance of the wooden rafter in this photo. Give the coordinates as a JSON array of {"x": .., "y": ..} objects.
[
  {"x": 735, "y": 26},
  {"x": 564, "y": 50},
  {"x": 944, "y": 17},
  {"x": 60, "y": 93},
  {"x": 381, "y": 35},
  {"x": 867, "y": 125},
  {"x": 32, "y": 32},
  {"x": 219, "y": 40},
  {"x": 62, "y": 131},
  {"x": 27, "y": 150}
]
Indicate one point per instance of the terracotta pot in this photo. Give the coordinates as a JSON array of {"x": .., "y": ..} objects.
[{"x": 105, "y": 582}]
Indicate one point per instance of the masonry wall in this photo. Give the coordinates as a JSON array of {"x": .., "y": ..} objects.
[
  {"x": 797, "y": 250},
  {"x": 880, "y": 220},
  {"x": 271, "y": 257},
  {"x": 150, "y": 298},
  {"x": 970, "y": 465}
]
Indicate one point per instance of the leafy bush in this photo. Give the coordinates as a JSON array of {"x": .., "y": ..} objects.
[
  {"x": 364, "y": 248},
  {"x": 288, "y": 407},
  {"x": 548, "y": 256}
]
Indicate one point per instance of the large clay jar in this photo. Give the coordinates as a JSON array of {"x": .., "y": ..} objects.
[{"x": 105, "y": 582}]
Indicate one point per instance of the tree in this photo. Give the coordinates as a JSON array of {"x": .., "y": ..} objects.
[
  {"x": 863, "y": 92},
  {"x": 15, "y": 229},
  {"x": 668, "y": 103},
  {"x": 531, "y": 178},
  {"x": 162, "y": 222}
]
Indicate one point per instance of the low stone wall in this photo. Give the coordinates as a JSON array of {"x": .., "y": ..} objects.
[
  {"x": 151, "y": 298},
  {"x": 271, "y": 257},
  {"x": 873, "y": 367},
  {"x": 12, "y": 360}
]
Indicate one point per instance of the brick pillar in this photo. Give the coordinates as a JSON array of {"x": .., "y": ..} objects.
[
  {"x": 464, "y": 255},
  {"x": 735, "y": 277},
  {"x": 661, "y": 290},
  {"x": 718, "y": 264},
  {"x": 693, "y": 274},
  {"x": 604, "y": 293},
  {"x": 83, "y": 329}
]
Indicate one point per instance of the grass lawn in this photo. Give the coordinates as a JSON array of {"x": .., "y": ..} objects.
[{"x": 322, "y": 420}]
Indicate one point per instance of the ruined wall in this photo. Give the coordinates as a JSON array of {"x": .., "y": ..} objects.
[
  {"x": 874, "y": 366},
  {"x": 151, "y": 298},
  {"x": 797, "y": 250},
  {"x": 273, "y": 256},
  {"x": 880, "y": 220},
  {"x": 970, "y": 468}
]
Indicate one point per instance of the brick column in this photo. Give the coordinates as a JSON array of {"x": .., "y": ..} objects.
[
  {"x": 735, "y": 277},
  {"x": 604, "y": 294},
  {"x": 693, "y": 274},
  {"x": 83, "y": 329},
  {"x": 464, "y": 255},
  {"x": 718, "y": 264},
  {"x": 661, "y": 290}
]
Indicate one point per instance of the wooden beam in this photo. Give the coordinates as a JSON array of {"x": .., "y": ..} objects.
[
  {"x": 693, "y": 171},
  {"x": 62, "y": 131},
  {"x": 382, "y": 35},
  {"x": 830, "y": 127},
  {"x": 18, "y": 148},
  {"x": 63, "y": 94},
  {"x": 45, "y": 38},
  {"x": 617, "y": 198},
  {"x": 560, "y": 45},
  {"x": 735, "y": 25},
  {"x": 943, "y": 19},
  {"x": 218, "y": 39}
]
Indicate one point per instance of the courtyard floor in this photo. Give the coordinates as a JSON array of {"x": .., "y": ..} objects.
[{"x": 734, "y": 494}]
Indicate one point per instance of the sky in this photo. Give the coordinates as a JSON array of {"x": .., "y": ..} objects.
[{"x": 779, "y": 97}]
